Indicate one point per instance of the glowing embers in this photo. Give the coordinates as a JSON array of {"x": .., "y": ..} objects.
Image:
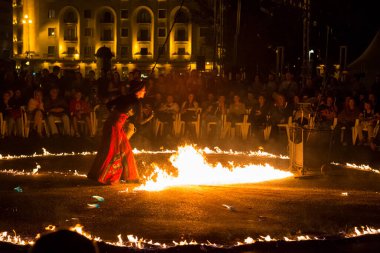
[{"x": 192, "y": 169}]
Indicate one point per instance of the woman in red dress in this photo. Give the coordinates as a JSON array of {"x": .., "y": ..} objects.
[{"x": 114, "y": 160}]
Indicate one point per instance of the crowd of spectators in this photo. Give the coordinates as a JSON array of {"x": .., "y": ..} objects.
[{"x": 67, "y": 98}]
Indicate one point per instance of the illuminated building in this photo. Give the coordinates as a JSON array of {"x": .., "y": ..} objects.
[{"x": 68, "y": 33}]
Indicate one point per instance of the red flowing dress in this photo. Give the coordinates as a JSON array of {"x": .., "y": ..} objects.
[{"x": 114, "y": 160}]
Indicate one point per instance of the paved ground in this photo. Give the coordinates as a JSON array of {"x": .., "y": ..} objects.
[{"x": 314, "y": 206}]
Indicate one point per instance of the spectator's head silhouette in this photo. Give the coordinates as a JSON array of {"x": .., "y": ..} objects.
[{"x": 63, "y": 241}]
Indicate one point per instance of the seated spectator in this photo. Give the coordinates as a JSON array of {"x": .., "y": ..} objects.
[
  {"x": 57, "y": 108},
  {"x": 367, "y": 121},
  {"x": 80, "y": 110},
  {"x": 327, "y": 111},
  {"x": 349, "y": 114},
  {"x": 167, "y": 112},
  {"x": 271, "y": 86},
  {"x": 347, "y": 118},
  {"x": 250, "y": 101},
  {"x": 213, "y": 113},
  {"x": 189, "y": 109},
  {"x": 236, "y": 111},
  {"x": 281, "y": 111},
  {"x": 259, "y": 113},
  {"x": 209, "y": 101},
  {"x": 35, "y": 111},
  {"x": 10, "y": 114}
]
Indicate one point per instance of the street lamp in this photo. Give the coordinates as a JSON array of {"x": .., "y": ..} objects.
[{"x": 27, "y": 21}]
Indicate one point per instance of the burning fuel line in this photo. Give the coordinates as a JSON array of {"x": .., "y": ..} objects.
[
  {"x": 133, "y": 241},
  {"x": 206, "y": 150}
]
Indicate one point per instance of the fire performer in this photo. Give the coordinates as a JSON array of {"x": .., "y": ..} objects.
[{"x": 114, "y": 160}]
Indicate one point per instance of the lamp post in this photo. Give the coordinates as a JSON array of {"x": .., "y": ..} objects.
[{"x": 27, "y": 21}]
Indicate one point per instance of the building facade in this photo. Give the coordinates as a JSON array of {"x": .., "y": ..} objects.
[
  {"x": 5, "y": 29},
  {"x": 68, "y": 33}
]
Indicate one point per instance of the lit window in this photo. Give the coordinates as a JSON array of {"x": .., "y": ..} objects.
[
  {"x": 124, "y": 32},
  {"x": 51, "y": 13},
  {"x": 161, "y": 32},
  {"x": 124, "y": 14},
  {"x": 51, "y": 32}
]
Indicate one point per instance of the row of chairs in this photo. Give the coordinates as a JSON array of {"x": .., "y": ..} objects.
[{"x": 25, "y": 123}]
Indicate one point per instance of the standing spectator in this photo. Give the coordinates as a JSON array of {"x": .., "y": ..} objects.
[
  {"x": 7, "y": 110},
  {"x": 57, "y": 108},
  {"x": 80, "y": 110}
]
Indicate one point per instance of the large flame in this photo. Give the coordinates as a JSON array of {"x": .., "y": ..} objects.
[{"x": 194, "y": 170}]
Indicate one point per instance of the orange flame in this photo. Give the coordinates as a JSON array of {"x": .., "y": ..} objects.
[{"x": 194, "y": 170}]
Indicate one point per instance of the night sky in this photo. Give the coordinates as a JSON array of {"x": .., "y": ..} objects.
[{"x": 266, "y": 24}]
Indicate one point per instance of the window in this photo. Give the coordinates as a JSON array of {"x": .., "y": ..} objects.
[
  {"x": 88, "y": 32},
  {"x": 51, "y": 13},
  {"x": 124, "y": 14},
  {"x": 87, "y": 13},
  {"x": 71, "y": 50},
  {"x": 106, "y": 35},
  {"x": 181, "y": 35},
  {"x": 162, "y": 32},
  {"x": 70, "y": 34},
  {"x": 124, "y": 52},
  {"x": 144, "y": 51},
  {"x": 203, "y": 32},
  {"x": 70, "y": 17},
  {"x": 143, "y": 35},
  {"x": 51, "y": 50},
  {"x": 181, "y": 51},
  {"x": 51, "y": 32},
  {"x": 88, "y": 51},
  {"x": 124, "y": 32},
  {"x": 144, "y": 16},
  {"x": 181, "y": 17},
  {"x": 107, "y": 17},
  {"x": 161, "y": 13}
]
